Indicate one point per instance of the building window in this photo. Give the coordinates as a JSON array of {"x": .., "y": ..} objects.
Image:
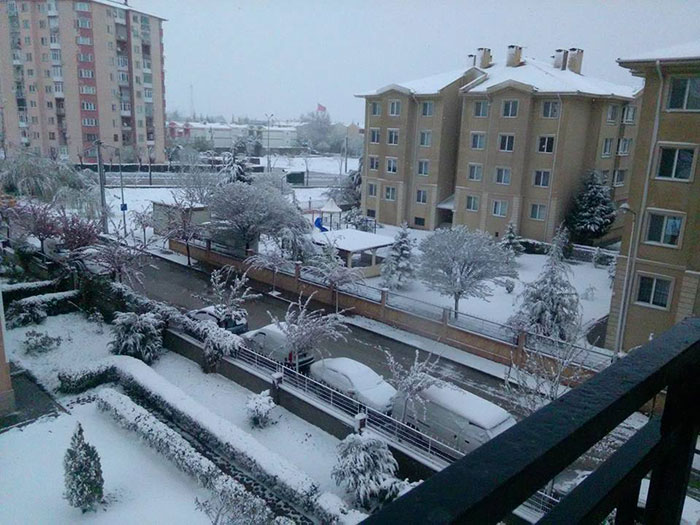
[
  {"x": 371, "y": 213},
  {"x": 423, "y": 167},
  {"x": 629, "y": 114},
  {"x": 57, "y": 71},
  {"x": 612, "y": 113},
  {"x": 391, "y": 165},
  {"x": 426, "y": 138},
  {"x": 542, "y": 178},
  {"x": 82, "y": 6},
  {"x": 88, "y": 106},
  {"x": 476, "y": 172},
  {"x": 392, "y": 137},
  {"x": 89, "y": 122},
  {"x": 538, "y": 212},
  {"x": 607, "y": 147},
  {"x": 84, "y": 57},
  {"x": 478, "y": 140},
  {"x": 619, "y": 177},
  {"x": 506, "y": 142},
  {"x": 502, "y": 176},
  {"x": 653, "y": 291},
  {"x": 371, "y": 189},
  {"x": 86, "y": 73},
  {"x": 84, "y": 40},
  {"x": 481, "y": 109},
  {"x": 684, "y": 93},
  {"x": 472, "y": 203},
  {"x": 376, "y": 108},
  {"x": 500, "y": 208},
  {"x": 545, "y": 144},
  {"x": 419, "y": 221},
  {"x": 390, "y": 193},
  {"x": 84, "y": 23},
  {"x": 550, "y": 109},
  {"x": 58, "y": 87},
  {"x": 421, "y": 196},
  {"x": 373, "y": 162},
  {"x": 675, "y": 163},
  {"x": 394, "y": 108},
  {"x": 663, "y": 228},
  {"x": 427, "y": 108},
  {"x": 623, "y": 147},
  {"x": 510, "y": 108},
  {"x": 56, "y": 55},
  {"x": 88, "y": 90},
  {"x": 374, "y": 135}
]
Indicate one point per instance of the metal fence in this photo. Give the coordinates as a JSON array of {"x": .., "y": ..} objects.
[{"x": 593, "y": 358}]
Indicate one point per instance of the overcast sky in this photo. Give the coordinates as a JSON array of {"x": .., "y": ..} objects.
[{"x": 248, "y": 58}]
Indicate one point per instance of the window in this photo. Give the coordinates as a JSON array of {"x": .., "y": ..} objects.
[
  {"x": 148, "y": 93},
  {"x": 426, "y": 138},
  {"x": 392, "y": 137},
  {"x": 623, "y": 146},
  {"x": 56, "y": 55},
  {"x": 419, "y": 221},
  {"x": 502, "y": 176},
  {"x": 629, "y": 114},
  {"x": 604, "y": 176},
  {"x": 684, "y": 93},
  {"x": 394, "y": 108},
  {"x": 663, "y": 228},
  {"x": 500, "y": 208},
  {"x": 390, "y": 193},
  {"x": 481, "y": 109},
  {"x": 675, "y": 163},
  {"x": 423, "y": 167},
  {"x": 612, "y": 113},
  {"x": 550, "y": 109},
  {"x": 85, "y": 73},
  {"x": 427, "y": 108},
  {"x": 88, "y": 90},
  {"x": 391, "y": 165},
  {"x": 82, "y": 6},
  {"x": 371, "y": 189},
  {"x": 89, "y": 122},
  {"x": 373, "y": 163},
  {"x": 653, "y": 291},
  {"x": 32, "y": 88},
  {"x": 35, "y": 120},
  {"x": 84, "y": 23},
  {"x": 28, "y": 56},
  {"x": 619, "y": 177},
  {"x": 44, "y": 41},
  {"x": 478, "y": 140},
  {"x": 510, "y": 108},
  {"x": 371, "y": 213},
  {"x": 58, "y": 87},
  {"x": 545, "y": 145},
  {"x": 472, "y": 203},
  {"x": 538, "y": 212},
  {"x": 506, "y": 142},
  {"x": 374, "y": 135},
  {"x": 56, "y": 71},
  {"x": 476, "y": 172},
  {"x": 542, "y": 178},
  {"x": 84, "y": 40},
  {"x": 88, "y": 106},
  {"x": 607, "y": 147},
  {"x": 376, "y": 108},
  {"x": 421, "y": 196},
  {"x": 84, "y": 57},
  {"x": 30, "y": 72}
]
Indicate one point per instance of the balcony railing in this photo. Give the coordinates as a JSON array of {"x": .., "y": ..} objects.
[{"x": 488, "y": 484}]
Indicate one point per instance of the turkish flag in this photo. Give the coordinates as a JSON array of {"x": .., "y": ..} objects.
[{"x": 320, "y": 108}]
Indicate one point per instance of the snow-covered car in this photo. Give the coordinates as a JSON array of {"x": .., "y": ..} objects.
[
  {"x": 236, "y": 324},
  {"x": 355, "y": 380},
  {"x": 271, "y": 342}
]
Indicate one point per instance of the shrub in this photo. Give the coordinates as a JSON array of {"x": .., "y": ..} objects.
[
  {"x": 137, "y": 335},
  {"x": 258, "y": 408},
  {"x": 22, "y": 313},
  {"x": 509, "y": 285},
  {"x": 40, "y": 342},
  {"x": 84, "y": 486},
  {"x": 95, "y": 317}
]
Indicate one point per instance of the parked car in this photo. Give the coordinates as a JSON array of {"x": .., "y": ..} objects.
[
  {"x": 355, "y": 380},
  {"x": 271, "y": 342},
  {"x": 236, "y": 324},
  {"x": 454, "y": 416}
]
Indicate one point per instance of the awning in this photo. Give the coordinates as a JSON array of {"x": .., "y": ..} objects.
[{"x": 448, "y": 203}]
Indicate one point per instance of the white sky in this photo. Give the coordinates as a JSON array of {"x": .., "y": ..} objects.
[{"x": 247, "y": 58}]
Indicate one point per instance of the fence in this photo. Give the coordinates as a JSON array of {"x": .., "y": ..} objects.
[{"x": 592, "y": 358}]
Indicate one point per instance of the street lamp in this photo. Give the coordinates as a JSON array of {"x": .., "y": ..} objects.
[
  {"x": 269, "y": 119},
  {"x": 622, "y": 319}
]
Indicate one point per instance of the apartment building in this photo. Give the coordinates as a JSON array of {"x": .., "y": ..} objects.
[
  {"x": 657, "y": 285},
  {"x": 223, "y": 136},
  {"x": 411, "y": 136},
  {"x": 73, "y": 72}
]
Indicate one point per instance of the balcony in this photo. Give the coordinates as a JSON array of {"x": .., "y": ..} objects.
[
  {"x": 121, "y": 33},
  {"x": 17, "y": 59},
  {"x": 123, "y": 81},
  {"x": 55, "y": 45},
  {"x": 60, "y": 112},
  {"x": 495, "y": 479},
  {"x": 125, "y": 109},
  {"x": 147, "y": 64}
]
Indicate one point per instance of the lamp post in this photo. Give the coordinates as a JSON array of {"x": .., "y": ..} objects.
[
  {"x": 269, "y": 119},
  {"x": 121, "y": 184},
  {"x": 622, "y": 319}
]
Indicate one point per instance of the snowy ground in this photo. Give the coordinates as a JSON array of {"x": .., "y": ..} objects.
[{"x": 334, "y": 165}]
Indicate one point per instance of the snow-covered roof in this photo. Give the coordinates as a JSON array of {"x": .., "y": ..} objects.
[
  {"x": 683, "y": 52},
  {"x": 360, "y": 374},
  {"x": 475, "y": 409},
  {"x": 448, "y": 203},
  {"x": 422, "y": 86},
  {"x": 331, "y": 207},
  {"x": 349, "y": 240},
  {"x": 121, "y": 5},
  {"x": 543, "y": 77}
]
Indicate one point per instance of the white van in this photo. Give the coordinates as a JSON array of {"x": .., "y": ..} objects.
[{"x": 454, "y": 416}]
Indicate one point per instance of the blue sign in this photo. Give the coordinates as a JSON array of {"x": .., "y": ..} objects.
[{"x": 123, "y": 207}]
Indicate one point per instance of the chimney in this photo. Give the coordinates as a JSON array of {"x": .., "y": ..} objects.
[
  {"x": 471, "y": 60},
  {"x": 575, "y": 59},
  {"x": 483, "y": 57},
  {"x": 560, "y": 58},
  {"x": 513, "y": 58}
]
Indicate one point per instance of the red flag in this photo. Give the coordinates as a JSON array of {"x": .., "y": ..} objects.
[{"x": 320, "y": 108}]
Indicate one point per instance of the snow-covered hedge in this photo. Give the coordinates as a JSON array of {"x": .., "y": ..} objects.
[
  {"x": 35, "y": 308},
  {"x": 137, "y": 335},
  {"x": 265, "y": 465},
  {"x": 174, "y": 447},
  {"x": 26, "y": 286}
]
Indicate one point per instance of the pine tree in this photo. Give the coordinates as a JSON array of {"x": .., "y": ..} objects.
[
  {"x": 593, "y": 212},
  {"x": 511, "y": 241},
  {"x": 398, "y": 267},
  {"x": 84, "y": 486}
]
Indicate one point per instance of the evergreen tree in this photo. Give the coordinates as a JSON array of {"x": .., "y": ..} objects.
[
  {"x": 398, "y": 268},
  {"x": 84, "y": 486},
  {"x": 593, "y": 211},
  {"x": 511, "y": 241}
]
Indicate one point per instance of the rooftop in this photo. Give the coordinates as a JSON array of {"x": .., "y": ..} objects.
[
  {"x": 682, "y": 52},
  {"x": 422, "y": 86},
  {"x": 351, "y": 240},
  {"x": 127, "y": 7}
]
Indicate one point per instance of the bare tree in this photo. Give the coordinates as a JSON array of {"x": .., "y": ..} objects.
[
  {"x": 198, "y": 185},
  {"x": 181, "y": 224},
  {"x": 122, "y": 256},
  {"x": 143, "y": 220},
  {"x": 270, "y": 260},
  {"x": 330, "y": 270},
  {"x": 410, "y": 382},
  {"x": 77, "y": 232},
  {"x": 229, "y": 292},
  {"x": 39, "y": 219}
]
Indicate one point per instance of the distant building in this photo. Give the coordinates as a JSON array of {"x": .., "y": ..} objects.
[
  {"x": 663, "y": 232},
  {"x": 223, "y": 136},
  {"x": 73, "y": 72}
]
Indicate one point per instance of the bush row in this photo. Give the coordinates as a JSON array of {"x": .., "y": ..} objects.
[{"x": 36, "y": 308}]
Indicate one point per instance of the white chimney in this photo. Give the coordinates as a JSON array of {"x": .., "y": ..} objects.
[
  {"x": 560, "y": 58},
  {"x": 514, "y": 56},
  {"x": 483, "y": 57},
  {"x": 471, "y": 60},
  {"x": 575, "y": 60}
]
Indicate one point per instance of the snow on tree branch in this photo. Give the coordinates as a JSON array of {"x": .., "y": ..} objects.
[{"x": 410, "y": 382}]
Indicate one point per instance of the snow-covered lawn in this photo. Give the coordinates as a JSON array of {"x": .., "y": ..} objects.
[{"x": 333, "y": 165}]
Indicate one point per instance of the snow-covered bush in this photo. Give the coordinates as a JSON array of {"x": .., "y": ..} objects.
[
  {"x": 22, "y": 313},
  {"x": 398, "y": 267},
  {"x": 509, "y": 285},
  {"x": 589, "y": 293},
  {"x": 84, "y": 486},
  {"x": 137, "y": 335},
  {"x": 511, "y": 241},
  {"x": 258, "y": 408},
  {"x": 593, "y": 211},
  {"x": 40, "y": 342},
  {"x": 218, "y": 343},
  {"x": 95, "y": 317}
]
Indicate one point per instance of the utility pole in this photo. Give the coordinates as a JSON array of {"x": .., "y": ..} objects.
[
  {"x": 346, "y": 150},
  {"x": 103, "y": 199},
  {"x": 269, "y": 119},
  {"x": 121, "y": 183}
]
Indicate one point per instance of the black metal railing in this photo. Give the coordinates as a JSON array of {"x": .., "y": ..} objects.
[{"x": 488, "y": 484}]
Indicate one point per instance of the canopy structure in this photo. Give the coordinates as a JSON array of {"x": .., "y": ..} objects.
[{"x": 357, "y": 248}]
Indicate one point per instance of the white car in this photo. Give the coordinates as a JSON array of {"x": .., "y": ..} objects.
[
  {"x": 355, "y": 380},
  {"x": 271, "y": 342},
  {"x": 236, "y": 324}
]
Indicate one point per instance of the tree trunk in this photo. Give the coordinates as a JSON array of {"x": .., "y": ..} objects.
[
  {"x": 274, "y": 277},
  {"x": 144, "y": 237},
  {"x": 187, "y": 247},
  {"x": 456, "y": 304}
]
